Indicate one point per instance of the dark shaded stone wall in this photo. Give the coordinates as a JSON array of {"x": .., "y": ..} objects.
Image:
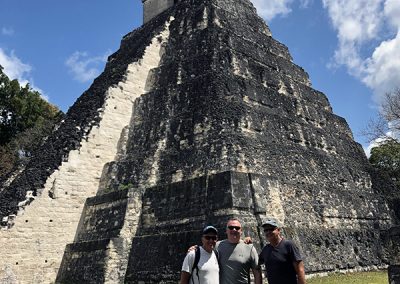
[
  {"x": 394, "y": 274},
  {"x": 84, "y": 263},
  {"x": 209, "y": 117},
  {"x": 231, "y": 127},
  {"x": 394, "y": 267},
  {"x": 103, "y": 217},
  {"x": 223, "y": 101},
  {"x": 85, "y": 260},
  {"x": 173, "y": 216}
]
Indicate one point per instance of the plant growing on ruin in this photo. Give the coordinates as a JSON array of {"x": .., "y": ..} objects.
[{"x": 125, "y": 186}]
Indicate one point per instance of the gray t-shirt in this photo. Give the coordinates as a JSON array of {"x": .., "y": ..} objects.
[
  {"x": 236, "y": 260},
  {"x": 208, "y": 267}
]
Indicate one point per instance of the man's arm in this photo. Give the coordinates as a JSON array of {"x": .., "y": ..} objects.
[
  {"x": 257, "y": 275},
  {"x": 185, "y": 277},
  {"x": 301, "y": 276},
  {"x": 191, "y": 248},
  {"x": 247, "y": 240}
]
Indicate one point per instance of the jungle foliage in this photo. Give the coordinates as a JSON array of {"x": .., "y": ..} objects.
[{"x": 25, "y": 120}]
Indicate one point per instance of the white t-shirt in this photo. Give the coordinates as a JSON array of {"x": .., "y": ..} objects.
[{"x": 208, "y": 267}]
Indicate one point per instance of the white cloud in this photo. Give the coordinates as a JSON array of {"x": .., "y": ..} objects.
[
  {"x": 84, "y": 68},
  {"x": 392, "y": 12},
  {"x": 7, "y": 31},
  {"x": 355, "y": 20},
  {"x": 305, "y": 3},
  {"x": 270, "y": 9},
  {"x": 360, "y": 25},
  {"x": 382, "y": 69},
  {"x": 14, "y": 68}
]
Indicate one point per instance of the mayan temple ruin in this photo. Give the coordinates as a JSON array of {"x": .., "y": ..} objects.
[{"x": 199, "y": 116}]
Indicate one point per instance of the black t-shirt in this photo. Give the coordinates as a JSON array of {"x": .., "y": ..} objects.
[{"x": 279, "y": 262}]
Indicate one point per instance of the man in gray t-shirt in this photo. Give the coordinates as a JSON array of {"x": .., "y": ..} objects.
[{"x": 237, "y": 258}]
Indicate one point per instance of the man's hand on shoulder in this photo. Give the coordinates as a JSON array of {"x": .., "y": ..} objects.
[
  {"x": 192, "y": 248},
  {"x": 248, "y": 240}
]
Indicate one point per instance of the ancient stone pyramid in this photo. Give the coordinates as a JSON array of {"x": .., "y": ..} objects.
[{"x": 201, "y": 115}]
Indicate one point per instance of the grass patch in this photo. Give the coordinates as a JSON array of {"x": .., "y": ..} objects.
[{"x": 373, "y": 277}]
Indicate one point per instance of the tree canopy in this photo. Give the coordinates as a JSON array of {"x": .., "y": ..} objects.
[
  {"x": 386, "y": 155},
  {"x": 25, "y": 119},
  {"x": 387, "y": 126},
  {"x": 21, "y": 108}
]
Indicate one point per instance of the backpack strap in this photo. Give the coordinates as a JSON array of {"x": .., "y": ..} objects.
[{"x": 195, "y": 263}]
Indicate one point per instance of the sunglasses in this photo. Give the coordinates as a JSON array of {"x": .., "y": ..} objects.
[
  {"x": 214, "y": 238},
  {"x": 237, "y": 228},
  {"x": 269, "y": 229}
]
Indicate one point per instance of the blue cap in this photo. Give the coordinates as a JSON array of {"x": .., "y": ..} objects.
[
  {"x": 271, "y": 223},
  {"x": 209, "y": 229}
]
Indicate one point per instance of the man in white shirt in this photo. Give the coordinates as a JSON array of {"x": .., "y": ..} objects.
[{"x": 207, "y": 270}]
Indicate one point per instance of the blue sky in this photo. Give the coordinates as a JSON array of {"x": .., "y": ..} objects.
[{"x": 350, "y": 48}]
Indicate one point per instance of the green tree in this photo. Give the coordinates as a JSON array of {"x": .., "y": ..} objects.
[
  {"x": 25, "y": 119},
  {"x": 21, "y": 108},
  {"x": 386, "y": 157}
]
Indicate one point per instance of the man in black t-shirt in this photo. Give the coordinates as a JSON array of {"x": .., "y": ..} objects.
[{"x": 282, "y": 258}]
